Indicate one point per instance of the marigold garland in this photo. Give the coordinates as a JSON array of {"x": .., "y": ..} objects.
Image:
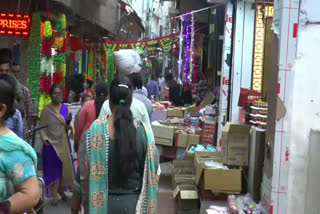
[
  {"x": 43, "y": 102},
  {"x": 34, "y": 56},
  {"x": 58, "y": 43},
  {"x": 47, "y": 30}
]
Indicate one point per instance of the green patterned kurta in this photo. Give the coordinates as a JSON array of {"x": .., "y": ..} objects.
[{"x": 92, "y": 176}]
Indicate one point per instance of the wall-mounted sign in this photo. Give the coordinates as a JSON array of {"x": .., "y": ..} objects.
[{"x": 15, "y": 24}]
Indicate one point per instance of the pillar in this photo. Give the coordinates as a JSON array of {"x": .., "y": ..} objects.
[{"x": 281, "y": 97}]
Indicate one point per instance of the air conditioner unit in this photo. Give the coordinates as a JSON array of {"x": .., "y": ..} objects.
[{"x": 217, "y": 1}]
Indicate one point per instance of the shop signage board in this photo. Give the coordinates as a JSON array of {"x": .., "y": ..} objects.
[
  {"x": 224, "y": 89},
  {"x": 15, "y": 24}
]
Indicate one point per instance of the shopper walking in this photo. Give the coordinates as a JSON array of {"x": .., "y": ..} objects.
[
  {"x": 138, "y": 92},
  {"x": 58, "y": 170},
  {"x": 117, "y": 172},
  {"x": 18, "y": 159},
  {"x": 83, "y": 99},
  {"x": 90, "y": 111},
  {"x": 153, "y": 88}
]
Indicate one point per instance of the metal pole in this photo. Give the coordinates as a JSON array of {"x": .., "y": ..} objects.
[{"x": 197, "y": 11}]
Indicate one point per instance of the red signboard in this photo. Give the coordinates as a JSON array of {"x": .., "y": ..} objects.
[{"x": 15, "y": 24}]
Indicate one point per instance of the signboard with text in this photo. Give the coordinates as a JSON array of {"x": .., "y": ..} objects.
[{"x": 15, "y": 24}]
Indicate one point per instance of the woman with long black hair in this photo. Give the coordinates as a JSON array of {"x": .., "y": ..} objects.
[
  {"x": 117, "y": 171},
  {"x": 90, "y": 111}
]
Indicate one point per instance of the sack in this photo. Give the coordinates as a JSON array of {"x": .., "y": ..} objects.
[{"x": 127, "y": 61}]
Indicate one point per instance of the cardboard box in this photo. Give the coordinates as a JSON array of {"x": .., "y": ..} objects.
[
  {"x": 216, "y": 180},
  {"x": 172, "y": 112},
  {"x": 164, "y": 135},
  {"x": 189, "y": 155},
  {"x": 163, "y": 141},
  {"x": 235, "y": 144},
  {"x": 186, "y": 197},
  {"x": 158, "y": 115},
  {"x": 182, "y": 173},
  {"x": 183, "y": 139}
]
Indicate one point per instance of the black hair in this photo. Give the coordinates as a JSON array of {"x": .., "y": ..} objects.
[
  {"x": 125, "y": 131},
  {"x": 89, "y": 82},
  {"x": 153, "y": 77},
  {"x": 7, "y": 94},
  {"x": 5, "y": 60},
  {"x": 101, "y": 95},
  {"x": 136, "y": 80},
  {"x": 7, "y": 53},
  {"x": 84, "y": 96},
  {"x": 54, "y": 86},
  {"x": 169, "y": 77}
]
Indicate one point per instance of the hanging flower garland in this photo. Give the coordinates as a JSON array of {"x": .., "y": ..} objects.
[
  {"x": 43, "y": 102},
  {"x": 166, "y": 44},
  {"x": 60, "y": 46},
  {"x": 111, "y": 67},
  {"x": 34, "y": 56},
  {"x": 46, "y": 67}
]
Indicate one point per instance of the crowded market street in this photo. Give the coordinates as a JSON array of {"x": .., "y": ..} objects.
[{"x": 159, "y": 106}]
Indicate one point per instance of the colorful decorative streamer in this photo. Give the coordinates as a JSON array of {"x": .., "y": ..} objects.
[
  {"x": 180, "y": 50},
  {"x": 111, "y": 67},
  {"x": 34, "y": 56},
  {"x": 89, "y": 75}
]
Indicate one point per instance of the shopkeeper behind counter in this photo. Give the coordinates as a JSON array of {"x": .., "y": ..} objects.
[{"x": 176, "y": 93}]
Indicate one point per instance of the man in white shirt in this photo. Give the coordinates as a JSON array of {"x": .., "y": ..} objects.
[{"x": 138, "y": 109}]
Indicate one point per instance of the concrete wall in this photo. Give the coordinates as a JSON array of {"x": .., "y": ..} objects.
[
  {"x": 303, "y": 192},
  {"x": 280, "y": 129},
  {"x": 103, "y": 13}
]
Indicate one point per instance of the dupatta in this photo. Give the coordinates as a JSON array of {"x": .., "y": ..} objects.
[{"x": 95, "y": 166}]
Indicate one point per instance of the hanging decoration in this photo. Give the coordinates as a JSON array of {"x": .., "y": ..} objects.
[
  {"x": 46, "y": 67},
  {"x": 192, "y": 59},
  {"x": 111, "y": 67},
  {"x": 34, "y": 56},
  {"x": 180, "y": 50},
  {"x": 60, "y": 46},
  {"x": 43, "y": 102},
  {"x": 193, "y": 55},
  {"x": 89, "y": 74},
  {"x": 187, "y": 49},
  {"x": 164, "y": 43}
]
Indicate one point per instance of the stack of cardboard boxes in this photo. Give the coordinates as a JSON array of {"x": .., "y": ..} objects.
[{"x": 207, "y": 178}]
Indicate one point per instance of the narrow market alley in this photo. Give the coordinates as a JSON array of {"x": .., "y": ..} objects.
[{"x": 159, "y": 106}]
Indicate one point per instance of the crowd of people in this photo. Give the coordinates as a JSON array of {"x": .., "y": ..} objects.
[
  {"x": 117, "y": 167},
  {"x": 118, "y": 164}
]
